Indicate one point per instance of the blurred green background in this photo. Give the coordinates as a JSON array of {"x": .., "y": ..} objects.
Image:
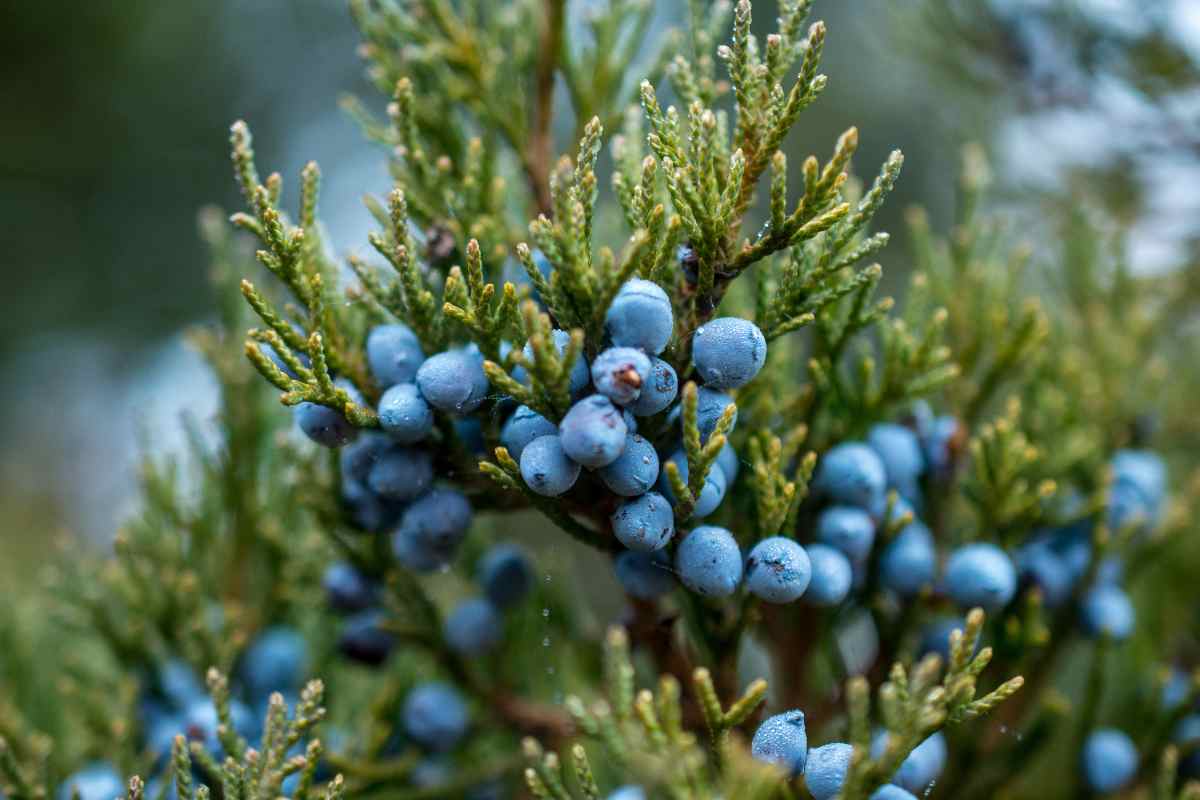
[{"x": 115, "y": 128}]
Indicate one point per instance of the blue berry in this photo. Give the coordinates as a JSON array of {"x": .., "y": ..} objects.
[
  {"x": 348, "y": 589},
  {"x": 404, "y": 414},
  {"x": 1039, "y": 565},
  {"x": 634, "y": 471},
  {"x": 394, "y": 354},
  {"x": 97, "y": 781},
  {"x": 938, "y": 443},
  {"x": 1187, "y": 735},
  {"x": 849, "y": 529},
  {"x": 545, "y": 467},
  {"x": 629, "y": 792},
  {"x": 275, "y": 662},
  {"x": 825, "y": 771},
  {"x": 659, "y": 389},
  {"x": 429, "y": 773},
  {"x": 644, "y": 523},
  {"x": 935, "y": 638},
  {"x": 1107, "y": 611},
  {"x": 832, "y": 575},
  {"x": 728, "y": 352},
  {"x": 1109, "y": 760},
  {"x": 923, "y": 765},
  {"x": 593, "y": 432},
  {"x": 357, "y": 458},
  {"x": 473, "y": 627},
  {"x": 729, "y": 463},
  {"x": 431, "y": 530},
  {"x": 783, "y": 741},
  {"x": 645, "y": 576},
  {"x": 709, "y": 562},
  {"x": 200, "y": 723},
  {"x": 900, "y": 451},
  {"x": 401, "y": 473},
  {"x": 178, "y": 682},
  {"x": 366, "y": 510},
  {"x": 453, "y": 381},
  {"x": 890, "y": 791},
  {"x": 711, "y": 494},
  {"x": 1144, "y": 471},
  {"x": 1110, "y": 570},
  {"x": 619, "y": 373},
  {"x": 710, "y": 405},
  {"x": 640, "y": 316},
  {"x": 852, "y": 474},
  {"x": 523, "y": 427},
  {"x": 580, "y": 375},
  {"x": 982, "y": 575},
  {"x": 323, "y": 425},
  {"x": 505, "y": 574},
  {"x": 777, "y": 570},
  {"x": 435, "y": 716},
  {"x": 908, "y": 561},
  {"x": 364, "y": 638}
]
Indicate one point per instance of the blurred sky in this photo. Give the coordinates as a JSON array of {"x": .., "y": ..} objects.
[{"x": 115, "y": 133}]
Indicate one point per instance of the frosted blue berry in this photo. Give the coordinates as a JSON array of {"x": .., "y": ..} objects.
[
  {"x": 200, "y": 723},
  {"x": 1145, "y": 472},
  {"x": 430, "y": 773},
  {"x": 938, "y": 444},
  {"x": 710, "y": 405},
  {"x": 1109, "y": 760},
  {"x": 523, "y": 427},
  {"x": 1110, "y": 570},
  {"x": 640, "y": 316},
  {"x": 275, "y": 662},
  {"x": 634, "y": 471},
  {"x": 545, "y": 467},
  {"x": 506, "y": 574},
  {"x": 1107, "y": 611},
  {"x": 981, "y": 574},
  {"x": 825, "y": 771},
  {"x": 473, "y": 627},
  {"x": 394, "y": 354},
  {"x": 890, "y": 791},
  {"x": 709, "y": 562},
  {"x": 659, "y": 390},
  {"x": 728, "y": 352},
  {"x": 644, "y": 523},
  {"x": 852, "y": 474},
  {"x": 97, "y": 781},
  {"x": 593, "y": 432},
  {"x": 619, "y": 373},
  {"x": 783, "y": 741},
  {"x": 908, "y": 561},
  {"x": 431, "y": 530},
  {"x": 453, "y": 381},
  {"x": 178, "y": 683},
  {"x": 435, "y": 716},
  {"x": 323, "y": 425},
  {"x": 365, "y": 639},
  {"x": 711, "y": 494},
  {"x": 404, "y": 414},
  {"x": 1187, "y": 735},
  {"x": 401, "y": 474},
  {"x": 628, "y": 793},
  {"x": 900, "y": 451},
  {"x": 347, "y": 589},
  {"x": 832, "y": 575},
  {"x": 923, "y": 765},
  {"x": 849, "y": 529},
  {"x": 777, "y": 570},
  {"x": 645, "y": 576},
  {"x": 580, "y": 375}
]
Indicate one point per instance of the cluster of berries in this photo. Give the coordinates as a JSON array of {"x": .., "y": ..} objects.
[
  {"x": 173, "y": 702},
  {"x": 473, "y": 627},
  {"x": 782, "y": 740}
]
